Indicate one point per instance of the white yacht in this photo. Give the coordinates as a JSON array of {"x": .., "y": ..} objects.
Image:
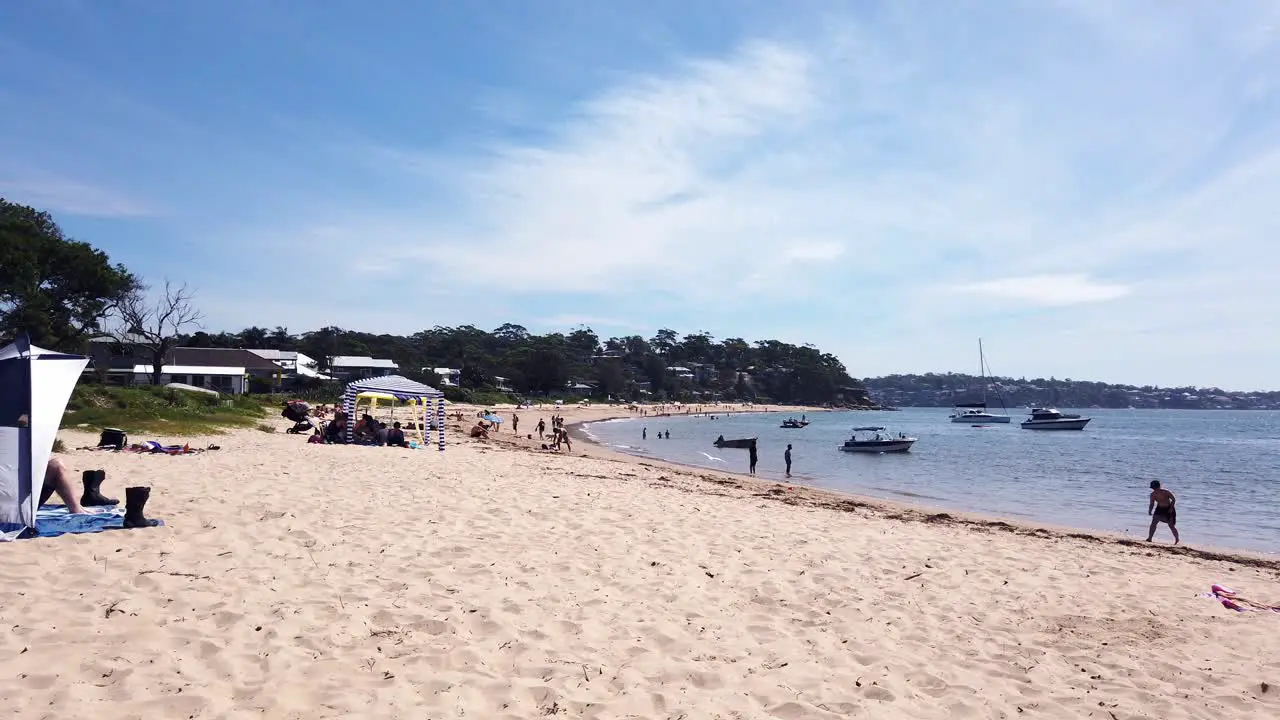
[
  {"x": 877, "y": 440},
  {"x": 1050, "y": 419},
  {"x": 976, "y": 413}
]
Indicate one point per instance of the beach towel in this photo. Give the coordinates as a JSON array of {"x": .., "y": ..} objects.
[
  {"x": 1231, "y": 600},
  {"x": 54, "y": 520}
]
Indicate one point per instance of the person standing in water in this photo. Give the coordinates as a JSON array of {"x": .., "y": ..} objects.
[
  {"x": 787, "y": 456},
  {"x": 753, "y": 457},
  {"x": 644, "y": 433},
  {"x": 1161, "y": 509}
]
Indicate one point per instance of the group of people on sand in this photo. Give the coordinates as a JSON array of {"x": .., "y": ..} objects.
[{"x": 367, "y": 431}]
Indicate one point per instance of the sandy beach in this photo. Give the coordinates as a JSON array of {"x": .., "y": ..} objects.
[{"x": 498, "y": 581}]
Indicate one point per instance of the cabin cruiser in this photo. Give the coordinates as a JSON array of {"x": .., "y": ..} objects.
[
  {"x": 975, "y": 414},
  {"x": 1051, "y": 419},
  {"x": 876, "y": 440}
]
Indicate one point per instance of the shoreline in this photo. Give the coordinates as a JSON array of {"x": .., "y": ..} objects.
[{"x": 908, "y": 511}]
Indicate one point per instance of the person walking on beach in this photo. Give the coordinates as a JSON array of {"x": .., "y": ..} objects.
[
  {"x": 787, "y": 457},
  {"x": 752, "y": 457},
  {"x": 515, "y": 423},
  {"x": 542, "y": 428},
  {"x": 1161, "y": 509}
]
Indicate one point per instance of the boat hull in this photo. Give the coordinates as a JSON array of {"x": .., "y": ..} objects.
[
  {"x": 741, "y": 444},
  {"x": 1063, "y": 424},
  {"x": 890, "y": 446},
  {"x": 980, "y": 419}
]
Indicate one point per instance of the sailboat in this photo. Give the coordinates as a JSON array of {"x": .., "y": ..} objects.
[{"x": 976, "y": 413}]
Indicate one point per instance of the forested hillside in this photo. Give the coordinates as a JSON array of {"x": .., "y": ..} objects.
[{"x": 666, "y": 366}]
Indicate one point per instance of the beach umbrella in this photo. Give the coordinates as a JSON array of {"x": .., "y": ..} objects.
[{"x": 493, "y": 418}]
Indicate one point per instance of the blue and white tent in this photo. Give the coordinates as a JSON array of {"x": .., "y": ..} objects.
[
  {"x": 402, "y": 388},
  {"x": 35, "y": 385}
]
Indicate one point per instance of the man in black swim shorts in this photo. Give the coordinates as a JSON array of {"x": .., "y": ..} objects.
[{"x": 1162, "y": 509}]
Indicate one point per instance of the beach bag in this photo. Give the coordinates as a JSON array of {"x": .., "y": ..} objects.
[{"x": 113, "y": 438}]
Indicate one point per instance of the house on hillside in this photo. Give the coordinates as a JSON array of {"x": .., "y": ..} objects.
[
  {"x": 449, "y": 377},
  {"x": 222, "y": 369},
  {"x": 359, "y": 367},
  {"x": 224, "y": 379},
  {"x": 295, "y": 364}
]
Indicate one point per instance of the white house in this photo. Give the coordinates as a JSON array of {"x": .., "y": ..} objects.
[
  {"x": 449, "y": 377},
  {"x": 356, "y": 367},
  {"x": 293, "y": 362},
  {"x": 231, "y": 380}
]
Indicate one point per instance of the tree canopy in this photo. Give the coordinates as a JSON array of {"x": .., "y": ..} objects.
[
  {"x": 56, "y": 289},
  {"x": 667, "y": 366}
]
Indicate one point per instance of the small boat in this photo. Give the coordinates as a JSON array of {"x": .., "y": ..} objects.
[
  {"x": 877, "y": 440},
  {"x": 1050, "y": 419},
  {"x": 793, "y": 424},
  {"x": 741, "y": 443}
]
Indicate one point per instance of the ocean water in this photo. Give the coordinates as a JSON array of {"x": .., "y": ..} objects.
[{"x": 1223, "y": 465}]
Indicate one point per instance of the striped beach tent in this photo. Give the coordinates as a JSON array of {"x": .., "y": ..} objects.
[
  {"x": 35, "y": 385},
  {"x": 399, "y": 387}
]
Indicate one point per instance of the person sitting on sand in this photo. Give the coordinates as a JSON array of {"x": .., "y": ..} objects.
[
  {"x": 395, "y": 436},
  {"x": 56, "y": 481},
  {"x": 480, "y": 431},
  {"x": 380, "y": 435},
  {"x": 336, "y": 431},
  {"x": 1161, "y": 509}
]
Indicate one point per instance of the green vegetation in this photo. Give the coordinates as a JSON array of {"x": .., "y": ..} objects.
[
  {"x": 56, "y": 289},
  {"x": 163, "y": 411},
  {"x": 667, "y": 366}
]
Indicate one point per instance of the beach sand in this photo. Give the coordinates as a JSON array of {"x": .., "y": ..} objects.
[{"x": 311, "y": 581}]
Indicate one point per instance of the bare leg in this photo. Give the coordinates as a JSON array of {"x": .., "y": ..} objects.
[
  {"x": 55, "y": 476},
  {"x": 1173, "y": 529},
  {"x": 1152, "y": 531}
]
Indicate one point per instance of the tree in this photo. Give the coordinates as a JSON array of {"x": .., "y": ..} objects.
[
  {"x": 55, "y": 289},
  {"x": 158, "y": 325}
]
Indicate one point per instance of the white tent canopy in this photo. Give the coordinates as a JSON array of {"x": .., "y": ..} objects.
[{"x": 35, "y": 385}]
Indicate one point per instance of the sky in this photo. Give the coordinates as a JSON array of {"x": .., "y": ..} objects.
[{"x": 1089, "y": 187}]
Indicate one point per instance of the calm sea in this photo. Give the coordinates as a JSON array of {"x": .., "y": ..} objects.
[{"x": 1223, "y": 465}]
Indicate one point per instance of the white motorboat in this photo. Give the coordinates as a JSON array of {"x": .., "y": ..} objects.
[
  {"x": 1050, "y": 419},
  {"x": 877, "y": 440},
  {"x": 976, "y": 413}
]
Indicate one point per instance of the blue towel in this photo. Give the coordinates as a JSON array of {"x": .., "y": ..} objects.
[{"x": 54, "y": 520}]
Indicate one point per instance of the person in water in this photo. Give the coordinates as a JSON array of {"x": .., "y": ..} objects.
[
  {"x": 787, "y": 457},
  {"x": 753, "y": 457},
  {"x": 1162, "y": 509}
]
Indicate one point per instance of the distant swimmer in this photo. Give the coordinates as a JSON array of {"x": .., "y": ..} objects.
[{"x": 1162, "y": 510}]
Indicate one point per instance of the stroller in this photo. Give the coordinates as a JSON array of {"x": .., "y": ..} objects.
[{"x": 300, "y": 413}]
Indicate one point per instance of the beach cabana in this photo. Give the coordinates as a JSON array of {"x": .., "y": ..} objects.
[
  {"x": 400, "y": 388},
  {"x": 35, "y": 385}
]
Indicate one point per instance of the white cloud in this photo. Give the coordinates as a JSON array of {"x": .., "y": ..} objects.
[
  {"x": 72, "y": 197},
  {"x": 1047, "y": 290}
]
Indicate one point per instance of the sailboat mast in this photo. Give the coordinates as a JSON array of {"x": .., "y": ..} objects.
[{"x": 982, "y": 371}]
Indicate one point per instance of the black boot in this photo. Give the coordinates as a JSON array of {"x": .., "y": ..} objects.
[
  {"x": 93, "y": 496},
  {"x": 135, "y": 498}
]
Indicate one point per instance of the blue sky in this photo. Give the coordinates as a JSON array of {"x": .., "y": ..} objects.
[{"x": 1088, "y": 186}]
